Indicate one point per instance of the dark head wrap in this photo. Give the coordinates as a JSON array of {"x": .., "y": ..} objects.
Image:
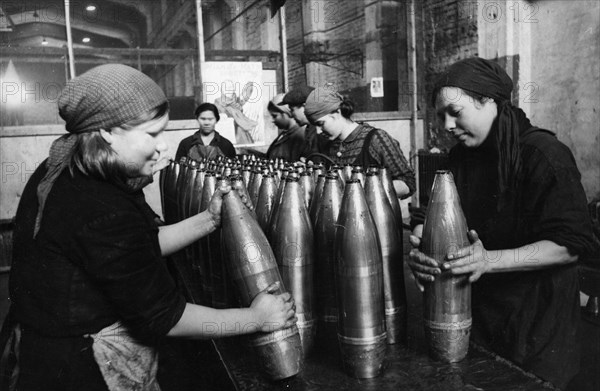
[
  {"x": 102, "y": 98},
  {"x": 488, "y": 79},
  {"x": 297, "y": 96},
  {"x": 476, "y": 75},
  {"x": 320, "y": 102}
]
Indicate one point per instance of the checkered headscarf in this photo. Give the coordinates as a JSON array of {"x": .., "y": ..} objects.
[{"x": 102, "y": 98}]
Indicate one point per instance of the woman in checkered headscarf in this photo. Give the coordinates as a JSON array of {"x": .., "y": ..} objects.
[
  {"x": 89, "y": 289},
  {"x": 355, "y": 143}
]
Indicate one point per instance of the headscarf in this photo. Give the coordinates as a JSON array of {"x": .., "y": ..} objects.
[
  {"x": 487, "y": 78},
  {"x": 297, "y": 96},
  {"x": 477, "y": 75},
  {"x": 276, "y": 102},
  {"x": 102, "y": 98},
  {"x": 321, "y": 102}
]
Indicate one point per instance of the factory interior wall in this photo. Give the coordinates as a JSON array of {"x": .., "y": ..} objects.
[{"x": 23, "y": 148}]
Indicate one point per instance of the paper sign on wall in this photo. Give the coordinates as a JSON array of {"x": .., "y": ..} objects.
[{"x": 376, "y": 87}]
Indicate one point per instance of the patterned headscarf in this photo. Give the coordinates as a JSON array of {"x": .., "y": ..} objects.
[
  {"x": 321, "y": 102},
  {"x": 278, "y": 104},
  {"x": 102, "y": 98}
]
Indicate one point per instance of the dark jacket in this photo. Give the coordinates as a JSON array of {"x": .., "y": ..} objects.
[
  {"x": 96, "y": 259},
  {"x": 529, "y": 317},
  {"x": 289, "y": 145},
  {"x": 194, "y": 147}
]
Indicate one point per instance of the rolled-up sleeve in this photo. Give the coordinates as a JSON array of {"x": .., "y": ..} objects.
[
  {"x": 121, "y": 255},
  {"x": 555, "y": 201},
  {"x": 388, "y": 153}
]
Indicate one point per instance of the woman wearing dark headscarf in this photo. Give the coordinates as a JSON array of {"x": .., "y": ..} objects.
[
  {"x": 88, "y": 286},
  {"x": 290, "y": 143},
  {"x": 354, "y": 143},
  {"x": 206, "y": 143},
  {"x": 520, "y": 191}
]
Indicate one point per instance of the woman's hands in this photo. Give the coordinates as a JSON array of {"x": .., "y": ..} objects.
[
  {"x": 473, "y": 259},
  {"x": 423, "y": 267},
  {"x": 268, "y": 312},
  {"x": 216, "y": 202},
  {"x": 274, "y": 312}
]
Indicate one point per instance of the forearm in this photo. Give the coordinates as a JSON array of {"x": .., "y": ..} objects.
[
  {"x": 174, "y": 237},
  {"x": 205, "y": 322},
  {"x": 401, "y": 188},
  {"x": 537, "y": 255},
  {"x": 418, "y": 231}
]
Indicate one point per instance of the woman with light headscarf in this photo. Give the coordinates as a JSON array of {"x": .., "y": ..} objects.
[
  {"x": 88, "y": 286},
  {"x": 354, "y": 143},
  {"x": 290, "y": 143},
  {"x": 522, "y": 196}
]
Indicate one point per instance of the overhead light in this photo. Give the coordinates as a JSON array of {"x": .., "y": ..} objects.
[
  {"x": 44, "y": 42},
  {"x": 11, "y": 77},
  {"x": 90, "y": 8},
  {"x": 86, "y": 40}
]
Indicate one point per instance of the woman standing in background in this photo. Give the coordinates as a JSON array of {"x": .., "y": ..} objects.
[{"x": 206, "y": 143}]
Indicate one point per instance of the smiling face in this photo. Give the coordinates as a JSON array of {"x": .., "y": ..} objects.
[
  {"x": 207, "y": 122},
  {"x": 467, "y": 119},
  {"x": 140, "y": 147}
]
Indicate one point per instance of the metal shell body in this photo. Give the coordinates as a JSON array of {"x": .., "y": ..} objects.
[
  {"x": 170, "y": 190},
  {"x": 324, "y": 229},
  {"x": 359, "y": 282},
  {"x": 316, "y": 200},
  {"x": 183, "y": 186},
  {"x": 292, "y": 241},
  {"x": 208, "y": 245},
  {"x": 162, "y": 180},
  {"x": 220, "y": 279},
  {"x": 388, "y": 186},
  {"x": 254, "y": 186},
  {"x": 266, "y": 199},
  {"x": 308, "y": 187},
  {"x": 390, "y": 241},
  {"x": 196, "y": 193},
  {"x": 253, "y": 268},
  {"x": 447, "y": 300}
]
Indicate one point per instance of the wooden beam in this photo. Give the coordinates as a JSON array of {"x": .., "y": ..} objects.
[{"x": 171, "y": 29}]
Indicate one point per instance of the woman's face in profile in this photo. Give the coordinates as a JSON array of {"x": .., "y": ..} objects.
[
  {"x": 329, "y": 126},
  {"x": 207, "y": 122},
  {"x": 468, "y": 120},
  {"x": 280, "y": 119},
  {"x": 140, "y": 147}
]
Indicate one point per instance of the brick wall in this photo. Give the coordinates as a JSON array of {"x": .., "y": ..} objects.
[
  {"x": 295, "y": 43},
  {"x": 449, "y": 34}
]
